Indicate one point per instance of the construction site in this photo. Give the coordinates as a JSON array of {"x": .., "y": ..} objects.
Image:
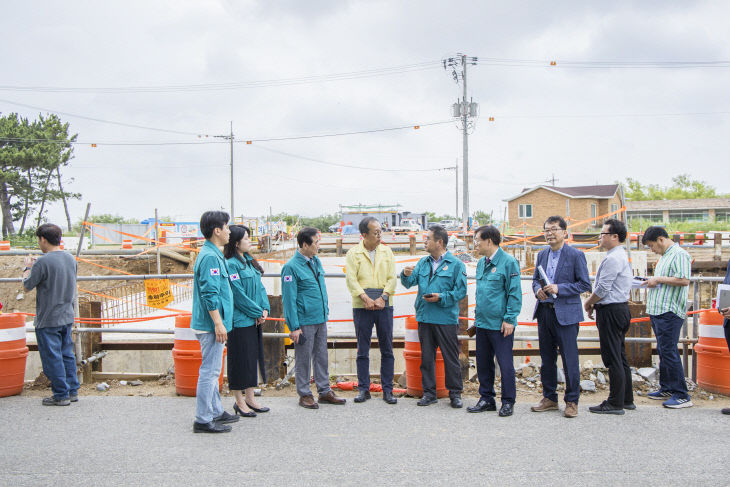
[{"x": 408, "y": 243}]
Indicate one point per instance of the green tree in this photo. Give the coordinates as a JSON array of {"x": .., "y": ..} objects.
[
  {"x": 483, "y": 217},
  {"x": 32, "y": 155},
  {"x": 683, "y": 187},
  {"x": 108, "y": 218}
]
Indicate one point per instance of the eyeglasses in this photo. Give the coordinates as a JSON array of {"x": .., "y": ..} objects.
[
  {"x": 607, "y": 233},
  {"x": 552, "y": 230}
]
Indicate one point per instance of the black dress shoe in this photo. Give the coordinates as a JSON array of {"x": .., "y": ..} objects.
[
  {"x": 481, "y": 406},
  {"x": 389, "y": 398},
  {"x": 258, "y": 410},
  {"x": 456, "y": 402},
  {"x": 506, "y": 410},
  {"x": 211, "y": 427},
  {"x": 725, "y": 410},
  {"x": 240, "y": 412},
  {"x": 427, "y": 401},
  {"x": 226, "y": 418},
  {"x": 362, "y": 396}
]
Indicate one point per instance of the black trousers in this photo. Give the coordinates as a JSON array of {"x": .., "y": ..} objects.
[
  {"x": 383, "y": 320},
  {"x": 613, "y": 322},
  {"x": 553, "y": 337},
  {"x": 444, "y": 337},
  {"x": 490, "y": 344}
]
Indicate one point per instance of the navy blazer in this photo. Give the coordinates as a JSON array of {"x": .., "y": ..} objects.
[{"x": 571, "y": 276}]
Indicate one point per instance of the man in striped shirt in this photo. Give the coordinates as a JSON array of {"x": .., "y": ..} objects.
[{"x": 666, "y": 305}]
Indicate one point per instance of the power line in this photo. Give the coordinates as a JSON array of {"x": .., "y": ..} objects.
[
  {"x": 235, "y": 85},
  {"x": 349, "y": 166},
  {"x": 111, "y": 122},
  {"x": 242, "y": 141}
]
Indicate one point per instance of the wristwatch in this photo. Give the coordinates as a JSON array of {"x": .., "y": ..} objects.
[{"x": 385, "y": 297}]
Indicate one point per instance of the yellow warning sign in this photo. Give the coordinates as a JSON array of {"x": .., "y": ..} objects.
[{"x": 158, "y": 292}]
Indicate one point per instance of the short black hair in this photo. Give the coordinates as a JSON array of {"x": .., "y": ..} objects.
[
  {"x": 489, "y": 232},
  {"x": 210, "y": 220},
  {"x": 365, "y": 223},
  {"x": 440, "y": 233},
  {"x": 618, "y": 227},
  {"x": 306, "y": 236},
  {"x": 653, "y": 233},
  {"x": 52, "y": 233},
  {"x": 556, "y": 219}
]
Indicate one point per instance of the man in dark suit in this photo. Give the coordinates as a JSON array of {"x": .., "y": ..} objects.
[{"x": 559, "y": 312}]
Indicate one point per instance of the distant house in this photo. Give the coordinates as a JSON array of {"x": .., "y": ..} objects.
[
  {"x": 691, "y": 210},
  {"x": 575, "y": 203}
]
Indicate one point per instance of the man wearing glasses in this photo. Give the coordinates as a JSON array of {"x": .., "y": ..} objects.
[
  {"x": 370, "y": 278},
  {"x": 610, "y": 299},
  {"x": 559, "y": 312}
]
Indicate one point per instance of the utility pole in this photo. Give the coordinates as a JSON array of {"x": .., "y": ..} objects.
[
  {"x": 456, "y": 208},
  {"x": 230, "y": 138},
  {"x": 464, "y": 111}
]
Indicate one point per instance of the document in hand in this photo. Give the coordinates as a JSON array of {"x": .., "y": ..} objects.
[
  {"x": 723, "y": 296},
  {"x": 544, "y": 281}
]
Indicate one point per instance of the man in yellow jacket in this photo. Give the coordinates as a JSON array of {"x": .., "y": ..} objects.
[{"x": 371, "y": 280}]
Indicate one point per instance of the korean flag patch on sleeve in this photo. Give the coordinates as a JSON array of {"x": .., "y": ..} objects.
[
  {"x": 287, "y": 278},
  {"x": 215, "y": 271},
  {"x": 234, "y": 277}
]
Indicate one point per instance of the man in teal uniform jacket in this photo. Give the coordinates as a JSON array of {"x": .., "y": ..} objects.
[
  {"x": 304, "y": 298},
  {"x": 498, "y": 302},
  {"x": 441, "y": 280},
  {"x": 211, "y": 321}
]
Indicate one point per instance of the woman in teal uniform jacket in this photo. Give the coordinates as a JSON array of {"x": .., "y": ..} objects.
[{"x": 250, "y": 310}]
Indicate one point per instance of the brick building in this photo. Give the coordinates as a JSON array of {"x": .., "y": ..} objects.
[
  {"x": 669, "y": 211},
  {"x": 576, "y": 203}
]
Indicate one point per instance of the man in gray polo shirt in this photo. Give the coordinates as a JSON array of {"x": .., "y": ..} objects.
[
  {"x": 53, "y": 276},
  {"x": 610, "y": 299}
]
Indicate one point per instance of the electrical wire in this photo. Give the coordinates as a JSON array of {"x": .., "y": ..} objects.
[
  {"x": 348, "y": 166},
  {"x": 367, "y": 73}
]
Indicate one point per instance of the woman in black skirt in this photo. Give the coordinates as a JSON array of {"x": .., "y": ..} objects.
[{"x": 251, "y": 307}]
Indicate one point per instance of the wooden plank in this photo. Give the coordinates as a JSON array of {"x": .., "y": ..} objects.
[{"x": 274, "y": 351}]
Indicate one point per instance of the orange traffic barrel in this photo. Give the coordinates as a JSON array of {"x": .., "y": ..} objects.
[
  {"x": 187, "y": 356},
  {"x": 127, "y": 243},
  {"x": 4, "y": 245},
  {"x": 13, "y": 354},
  {"x": 412, "y": 356},
  {"x": 713, "y": 357}
]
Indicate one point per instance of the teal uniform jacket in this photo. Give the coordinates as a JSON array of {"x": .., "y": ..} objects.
[
  {"x": 249, "y": 294},
  {"x": 499, "y": 291},
  {"x": 211, "y": 289},
  {"x": 449, "y": 281},
  {"x": 303, "y": 292}
]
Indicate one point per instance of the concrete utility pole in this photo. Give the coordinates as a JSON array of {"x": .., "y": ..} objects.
[
  {"x": 463, "y": 111},
  {"x": 230, "y": 138}
]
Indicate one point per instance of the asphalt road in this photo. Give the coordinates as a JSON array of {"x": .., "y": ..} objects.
[{"x": 149, "y": 441}]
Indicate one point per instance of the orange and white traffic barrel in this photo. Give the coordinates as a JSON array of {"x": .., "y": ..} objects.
[
  {"x": 188, "y": 357},
  {"x": 412, "y": 356},
  {"x": 712, "y": 355},
  {"x": 13, "y": 353}
]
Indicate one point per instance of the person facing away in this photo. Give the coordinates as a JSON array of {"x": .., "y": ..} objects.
[
  {"x": 558, "y": 312},
  {"x": 211, "y": 321},
  {"x": 53, "y": 276},
  {"x": 250, "y": 310},
  {"x": 371, "y": 280},
  {"x": 441, "y": 281},
  {"x": 305, "y": 304}
]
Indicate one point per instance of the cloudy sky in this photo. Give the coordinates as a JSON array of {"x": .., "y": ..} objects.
[{"x": 287, "y": 69}]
